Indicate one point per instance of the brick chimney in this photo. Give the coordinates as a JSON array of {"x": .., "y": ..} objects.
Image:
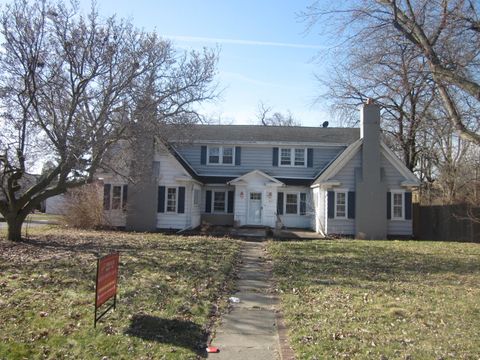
[{"x": 371, "y": 190}]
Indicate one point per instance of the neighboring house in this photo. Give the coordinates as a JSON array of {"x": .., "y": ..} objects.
[{"x": 332, "y": 180}]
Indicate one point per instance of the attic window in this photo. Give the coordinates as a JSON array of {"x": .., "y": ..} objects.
[
  {"x": 293, "y": 157},
  {"x": 218, "y": 155}
]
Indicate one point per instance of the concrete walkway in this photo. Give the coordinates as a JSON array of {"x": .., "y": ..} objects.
[{"x": 249, "y": 331}]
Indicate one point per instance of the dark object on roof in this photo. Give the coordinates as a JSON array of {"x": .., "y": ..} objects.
[
  {"x": 325, "y": 124},
  {"x": 259, "y": 133}
]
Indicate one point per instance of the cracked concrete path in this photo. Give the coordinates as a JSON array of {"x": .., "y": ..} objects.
[{"x": 249, "y": 330}]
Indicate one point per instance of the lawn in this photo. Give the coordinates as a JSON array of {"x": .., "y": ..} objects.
[
  {"x": 169, "y": 290},
  {"x": 380, "y": 299}
]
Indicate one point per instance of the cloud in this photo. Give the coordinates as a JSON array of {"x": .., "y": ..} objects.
[{"x": 196, "y": 39}]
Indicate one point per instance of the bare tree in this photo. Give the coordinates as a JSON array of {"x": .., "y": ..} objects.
[
  {"x": 68, "y": 87},
  {"x": 392, "y": 75},
  {"x": 265, "y": 117},
  {"x": 446, "y": 33}
]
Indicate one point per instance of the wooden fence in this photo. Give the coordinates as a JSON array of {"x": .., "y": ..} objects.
[{"x": 446, "y": 223}]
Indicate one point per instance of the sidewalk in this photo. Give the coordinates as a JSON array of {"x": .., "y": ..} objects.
[{"x": 249, "y": 331}]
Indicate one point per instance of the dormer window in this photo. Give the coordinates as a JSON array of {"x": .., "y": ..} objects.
[
  {"x": 220, "y": 155},
  {"x": 293, "y": 157}
]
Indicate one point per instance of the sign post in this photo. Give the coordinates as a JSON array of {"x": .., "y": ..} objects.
[{"x": 106, "y": 284}]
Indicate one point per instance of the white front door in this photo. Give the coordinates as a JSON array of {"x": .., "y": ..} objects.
[{"x": 255, "y": 208}]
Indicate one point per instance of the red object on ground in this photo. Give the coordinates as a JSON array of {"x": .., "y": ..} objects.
[{"x": 212, "y": 349}]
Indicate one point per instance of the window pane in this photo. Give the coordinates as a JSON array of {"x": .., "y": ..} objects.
[
  {"x": 285, "y": 156},
  {"x": 291, "y": 204},
  {"x": 228, "y": 155},
  {"x": 219, "y": 201},
  {"x": 300, "y": 157},
  {"x": 303, "y": 203},
  {"x": 171, "y": 199},
  {"x": 397, "y": 205},
  {"x": 255, "y": 196},
  {"x": 106, "y": 196},
  {"x": 214, "y": 155},
  {"x": 116, "y": 197},
  {"x": 397, "y": 199},
  {"x": 196, "y": 196},
  {"x": 341, "y": 205}
]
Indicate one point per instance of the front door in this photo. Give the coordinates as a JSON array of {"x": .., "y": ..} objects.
[{"x": 255, "y": 208}]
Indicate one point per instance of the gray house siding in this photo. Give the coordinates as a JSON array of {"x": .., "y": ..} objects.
[
  {"x": 259, "y": 157},
  {"x": 393, "y": 179},
  {"x": 346, "y": 176}
]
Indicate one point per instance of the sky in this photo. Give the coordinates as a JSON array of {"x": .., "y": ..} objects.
[{"x": 265, "y": 54}]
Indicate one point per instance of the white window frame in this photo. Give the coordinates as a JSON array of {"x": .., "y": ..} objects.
[
  {"x": 225, "y": 202},
  {"x": 122, "y": 201},
  {"x": 196, "y": 197},
  {"x": 298, "y": 205},
  {"x": 345, "y": 192},
  {"x": 220, "y": 155},
  {"x": 392, "y": 206},
  {"x": 166, "y": 199},
  {"x": 297, "y": 193},
  {"x": 292, "y": 157}
]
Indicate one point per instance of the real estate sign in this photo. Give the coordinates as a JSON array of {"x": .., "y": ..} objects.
[{"x": 106, "y": 284}]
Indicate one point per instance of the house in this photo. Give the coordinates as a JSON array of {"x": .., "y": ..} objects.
[{"x": 332, "y": 180}]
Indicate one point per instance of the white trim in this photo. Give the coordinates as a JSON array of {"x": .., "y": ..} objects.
[
  {"x": 343, "y": 191},
  {"x": 297, "y": 193},
  {"x": 292, "y": 157},
  {"x": 339, "y": 162},
  {"x": 250, "y": 192},
  {"x": 186, "y": 179},
  {"x": 166, "y": 200},
  {"x": 392, "y": 195},
  {"x": 351, "y": 151},
  {"x": 199, "y": 197},
  {"x": 220, "y": 155},
  {"x": 241, "y": 179}
]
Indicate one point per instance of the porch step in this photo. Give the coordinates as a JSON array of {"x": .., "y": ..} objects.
[{"x": 250, "y": 232}]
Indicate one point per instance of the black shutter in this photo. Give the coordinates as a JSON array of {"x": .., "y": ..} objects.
[
  {"x": 203, "y": 155},
  {"x": 280, "y": 203},
  {"x": 331, "y": 204},
  {"x": 309, "y": 157},
  {"x": 389, "y": 205},
  {"x": 303, "y": 203},
  {"x": 275, "y": 156},
  {"x": 106, "y": 196},
  {"x": 230, "y": 202},
  {"x": 238, "y": 155},
  {"x": 208, "y": 201},
  {"x": 125, "y": 197},
  {"x": 351, "y": 204},
  {"x": 408, "y": 206},
  {"x": 181, "y": 200},
  {"x": 161, "y": 199}
]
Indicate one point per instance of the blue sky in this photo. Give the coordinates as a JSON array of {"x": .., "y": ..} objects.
[{"x": 265, "y": 54}]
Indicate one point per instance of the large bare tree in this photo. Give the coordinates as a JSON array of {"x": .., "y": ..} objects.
[
  {"x": 69, "y": 84},
  {"x": 446, "y": 33}
]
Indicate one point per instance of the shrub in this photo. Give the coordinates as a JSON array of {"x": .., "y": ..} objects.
[{"x": 84, "y": 207}]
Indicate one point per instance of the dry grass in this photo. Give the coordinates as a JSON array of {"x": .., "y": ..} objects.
[
  {"x": 169, "y": 288},
  {"x": 380, "y": 299}
]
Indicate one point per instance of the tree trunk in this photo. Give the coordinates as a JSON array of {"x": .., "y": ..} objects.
[{"x": 14, "y": 228}]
